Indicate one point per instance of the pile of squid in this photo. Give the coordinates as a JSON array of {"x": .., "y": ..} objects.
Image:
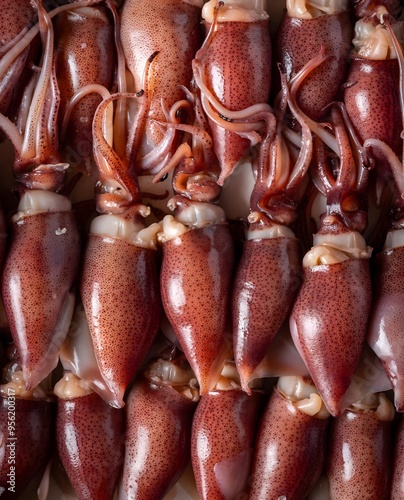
[{"x": 201, "y": 249}]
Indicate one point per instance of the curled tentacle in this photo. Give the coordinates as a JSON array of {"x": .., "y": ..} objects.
[
  {"x": 221, "y": 114},
  {"x": 137, "y": 127},
  {"x": 400, "y": 58},
  {"x": 77, "y": 96},
  {"x": 172, "y": 28},
  {"x": 37, "y": 147},
  {"x": 374, "y": 91},
  {"x": 25, "y": 37},
  {"x": 396, "y": 166},
  {"x": 161, "y": 154},
  {"x": 37, "y": 158},
  {"x": 268, "y": 275},
  {"x": 305, "y": 27},
  {"x": 44, "y": 223},
  {"x": 17, "y": 20},
  {"x": 196, "y": 168},
  {"x": 295, "y": 83},
  {"x": 120, "y": 255},
  {"x": 346, "y": 189},
  {"x": 229, "y": 103},
  {"x": 85, "y": 54},
  {"x": 117, "y": 188},
  {"x": 345, "y": 185},
  {"x": 13, "y": 82},
  {"x": 245, "y": 123},
  {"x": 120, "y": 122},
  {"x": 336, "y": 268},
  {"x": 278, "y": 186}
]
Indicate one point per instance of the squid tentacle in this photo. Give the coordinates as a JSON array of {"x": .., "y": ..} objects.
[
  {"x": 79, "y": 94},
  {"x": 111, "y": 166},
  {"x": 25, "y": 39}
]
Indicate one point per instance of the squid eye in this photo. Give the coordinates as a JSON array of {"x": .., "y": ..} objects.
[{"x": 164, "y": 178}]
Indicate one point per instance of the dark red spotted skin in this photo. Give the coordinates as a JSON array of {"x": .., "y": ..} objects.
[
  {"x": 195, "y": 286},
  {"x": 223, "y": 433},
  {"x": 15, "y": 17},
  {"x": 85, "y": 54},
  {"x": 331, "y": 315},
  {"x": 40, "y": 270},
  {"x": 298, "y": 41},
  {"x": 3, "y": 237},
  {"x": 359, "y": 460},
  {"x": 27, "y": 443},
  {"x": 238, "y": 81},
  {"x": 153, "y": 465},
  {"x": 397, "y": 486},
  {"x": 386, "y": 323},
  {"x": 266, "y": 283},
  {"x": 372, "y": 100},
  {"x": 171, "y": 27},
  {"x": 120, "y": 293},
  {"x": 8, "y": 84},
  {"x": 289, "y": 452},
  {"x": 90, "y": 439}
]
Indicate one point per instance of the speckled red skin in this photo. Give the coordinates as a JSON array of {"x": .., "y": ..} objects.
[
  {"x": 299, "y": 40},
  {"x": 34, "y": 432},
  {"x": 397, "y": 486},
  {"x": 120, "y": 293},
  {"x": 171, "y": 27},
  {"x": 85, "y": 54},
  {"x": 3, "y": 237},
  {"x": 359, "y": 458},
  {"x": 40, "y": 270},
  {"x": 9, "y": 84},
  {"x": 289, "y": 452},
  {"x": 195, "y": 286},
  {"x": 331, "y": 314},
  {"x": 372, "y": 100},
  {"x": 153, "y": 465},
  {"x": 386, "y": 324},
  {"x": 237, "y": 65},
  {"x": 223, "y": 430},
  {"x": 90, "y": 443},
  {"x": 15, "y": 17},
  {"x": 265, "y": 286}
]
